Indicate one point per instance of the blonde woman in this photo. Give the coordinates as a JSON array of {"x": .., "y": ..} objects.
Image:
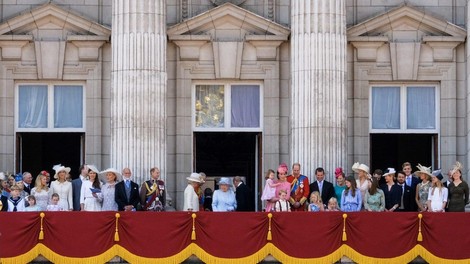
[
  {"x": 41, "y": 191},
  {"x": 437, "y": 197},
  {"x": 63, "y": 187},
  {"x": 422, "y": 189}
]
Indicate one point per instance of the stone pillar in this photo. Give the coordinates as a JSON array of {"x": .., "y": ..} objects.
[
  {"x": 318, "y": 89},
  {"x": 138, "y": 90}
]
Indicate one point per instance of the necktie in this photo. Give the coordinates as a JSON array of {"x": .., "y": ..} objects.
[
  {"x": 320, "y": 186},
  {"x": 128, "y": 190},
  {"x": 408, "y": 180},
  {"x": 128, "y": 184}
]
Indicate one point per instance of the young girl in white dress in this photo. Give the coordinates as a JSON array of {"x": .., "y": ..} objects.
[{"x": 437, "y": 196}]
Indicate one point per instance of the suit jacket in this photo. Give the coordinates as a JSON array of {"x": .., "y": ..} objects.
[
  {"x": 408, "y": 199},
  {"x": 328, "y": 190},
  {"x": 121, "y": 198},
  {"x": 76, "y": 188},
  {"x": 28, "y": 189},
  {"x": 393, "y": 196},
  {"x": 414, "y": 183},
  {"x": 4, "y": 200},
  {"x": 244, "y": 198}
]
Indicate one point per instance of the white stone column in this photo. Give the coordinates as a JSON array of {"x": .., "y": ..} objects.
[
  {"x": 138, "y": 90},
  {"x": 318, "y": 89}
]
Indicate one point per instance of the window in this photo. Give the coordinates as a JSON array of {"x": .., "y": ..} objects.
[
  {"x": 404, "y": 108},
  {"x": 222, "y": 107},
  {"x": 48, "y": 107}
]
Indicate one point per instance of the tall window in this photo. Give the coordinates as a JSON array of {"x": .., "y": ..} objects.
[
  {"x": 224, "y": 107},
  {"x": 49, "y": 107},
  {"x": 404, "y": 108}
]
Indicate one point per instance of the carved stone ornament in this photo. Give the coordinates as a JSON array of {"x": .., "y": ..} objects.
[{"x": 221, "y": 2}]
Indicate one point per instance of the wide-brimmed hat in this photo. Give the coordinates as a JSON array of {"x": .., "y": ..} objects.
[
  {"x": 2, "y": 176},
  {"x": 58, "y": 168},
  {"x": 423, "y": 169},
  {"x": 438, "y": 174},
  {"x": 194, "y": 177},
  {"x": 102, "y": 175},
  {"x": 224, "y": 180},
  {"x": 389, "y": 171},
  {"x": 361, "y": 167},
  {"x": 93, "y": 168}
]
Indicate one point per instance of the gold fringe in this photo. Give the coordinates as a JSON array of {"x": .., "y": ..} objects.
[
  {"x": 345, "y": 237},
  {"x": 193, "y": 233},
  {"x": 41, "y": 233},
  {"x": 270, "y": 236},
  {"x": 420, "y": 235},
  {"x": 193, "y": 249},
  {"x": 116, "y": 233}
]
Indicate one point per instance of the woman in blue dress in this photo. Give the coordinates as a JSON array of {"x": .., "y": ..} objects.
[{"x": 351, "y": 199}]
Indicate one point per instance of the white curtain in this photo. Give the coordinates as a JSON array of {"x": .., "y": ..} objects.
[
  {"x": 32, "y": 106},
  {"x": 245, "y": 100},
  {"x": 68, "y": 106},
  {"x": 386, "y": 107},
  {"x": 421, "y": 108}
]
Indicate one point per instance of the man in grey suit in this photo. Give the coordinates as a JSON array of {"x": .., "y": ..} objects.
[{"x": 77, "y": 186}]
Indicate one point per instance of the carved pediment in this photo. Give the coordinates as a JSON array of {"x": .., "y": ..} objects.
[
  {"x": 228, "y": 22},
  {"x": 48, "y": 32},
  {"x": 405, "y": 19}
]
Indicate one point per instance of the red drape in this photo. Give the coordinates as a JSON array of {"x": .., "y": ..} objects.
[{"x": 299, "y": 235}]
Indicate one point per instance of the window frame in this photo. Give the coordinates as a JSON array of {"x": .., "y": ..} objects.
[
  {"x": 403, "y": 109},
  {"x": 50, "y": 107},
  {"x": 227, "y": 107}
]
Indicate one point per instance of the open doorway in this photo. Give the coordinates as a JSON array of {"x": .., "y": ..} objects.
[
  {"x": 392, "y": 150},
  {"x": 229, "y": 154},
  {"x": 41, "y": 151}
]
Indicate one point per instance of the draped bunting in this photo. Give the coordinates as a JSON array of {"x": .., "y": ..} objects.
[{"x": 297, "y": 237}]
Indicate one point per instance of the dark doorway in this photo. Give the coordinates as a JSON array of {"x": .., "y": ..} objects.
[
  {"x": 228, "y": 154},
  {"x": 392, "y": 150},
  {"x": 41, "y": 151}
]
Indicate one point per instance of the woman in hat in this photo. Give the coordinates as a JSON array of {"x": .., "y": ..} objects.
[
  {"x": 110, "y": 176},
  {"x": 41, "y": 191},
  {"x": 62, "y": 187},
  {"x": 89, "y": 199},
  {"x": 392, "y": 191},
  {"x": 351, "y": 199},
  {"x": 362, "y": 182},
  {"x": 422, "y": 189},
  {"x": 437, "y": 197},
  {"x": 340, "y": 185},
  {"x": 191, "y": 198},
  {"x": 458, "y": 190},
  {"x": 375, "y": 198},
  {"x": 223, "y": 199}
]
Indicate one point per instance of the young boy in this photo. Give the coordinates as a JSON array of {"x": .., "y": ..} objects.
[
  {"x": 15, "y": 202},
  {"x": 282, "y": 205},
  {"x": 54, "y": 206}
]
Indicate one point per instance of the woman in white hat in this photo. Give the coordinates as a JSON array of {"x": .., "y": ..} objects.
[
  {"x": 110, "y": 176},
  {"x": 422, "y": 189},
  {"x": 89, "y": 199},
  {"x": 223, "y": 199},
  {"x": 363, "y": 179},
  {"x": 191, "y": 198},
  {"x": 62, "y": 187}
]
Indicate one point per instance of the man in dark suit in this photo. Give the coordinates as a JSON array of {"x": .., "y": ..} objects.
[
  {"x": 411, "y": 181},
  {"x": 407, "y": 200},
  {"x": 325, "y": 188},
  {"x": 243, "y": 195},
  {"x": 77, "y": 186},
  {"x": 27, "y": 182},
  {"x": 127, "y": 193}
]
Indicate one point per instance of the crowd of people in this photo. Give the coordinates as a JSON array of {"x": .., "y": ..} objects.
[
  {"x": 110, "y": 190},
  {"x": 389, "y": 191}
]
